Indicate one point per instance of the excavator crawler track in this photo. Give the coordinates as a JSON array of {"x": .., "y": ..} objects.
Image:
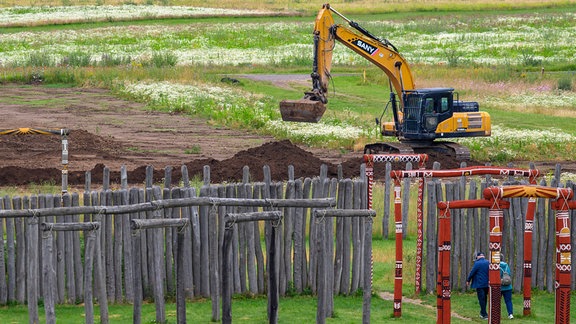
[{"x": 455, "y": 150}]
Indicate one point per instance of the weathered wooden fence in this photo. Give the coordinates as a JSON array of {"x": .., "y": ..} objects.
[
  {"x": 298, "y": 262},
  {"x": 204, "y": 241}
]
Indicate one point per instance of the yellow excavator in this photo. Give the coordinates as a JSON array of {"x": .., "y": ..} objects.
[{"x": 420, "y": 116}]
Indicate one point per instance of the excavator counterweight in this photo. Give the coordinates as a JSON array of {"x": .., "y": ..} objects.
[{"x": 303, "y": 110}]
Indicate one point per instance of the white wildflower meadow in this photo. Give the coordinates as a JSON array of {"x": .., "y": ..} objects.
[
  {"x": 309, "y": 133},
  {"x": 562, "y": 99},
  {"x": 21, "y": 16},
  {"x": 508, "y": 140},
  {"x": 483, "y": 41},
  {"x": 187, "y": 97},
  {"x": 192, "y": 98}
]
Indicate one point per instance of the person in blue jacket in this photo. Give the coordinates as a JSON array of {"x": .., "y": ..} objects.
[
  {"x": 506, "y": 290},
  {"x": 479, "y": 278}
]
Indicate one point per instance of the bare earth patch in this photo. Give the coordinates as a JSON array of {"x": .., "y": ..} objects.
[
  {"x": 108, "y": 131},
  {"x": 111, "y": 132}
]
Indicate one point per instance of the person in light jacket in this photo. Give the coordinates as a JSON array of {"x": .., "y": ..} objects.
[
  {"x": 506, "y": 290},
  {"x": 479, "y": 278}
]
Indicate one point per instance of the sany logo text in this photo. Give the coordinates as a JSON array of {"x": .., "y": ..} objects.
[{"x": 366, "y": 47}]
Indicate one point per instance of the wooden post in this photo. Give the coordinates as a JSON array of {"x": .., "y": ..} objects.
[
  {"x": 127, "y": 247},
  {"x": 213, "y": 257},
  {"x": 32, "y": 271},
  {"x": 181, "y": 282},
  {"x": 118, "y": 249},
  {"x": 204, "y": 237},
  {"x": 324, "y": 308},
  {"x": 226, "y": 284},
  {"x": 430, "y": 234},
  {"x": 321, "y": 278},
  {"x": 88, "y": 265},
  {"x": 20, "y": 265},
  {"x": 420, "y": 236},
  {"x": 229, "y": 220},
  {"x": 528, "y": 249},
  {"x": 64, "y": 135},
  {"x": 137, "y": 266},
  {"x": 99, "y": 266},
  {"x": 48, "y": 274},
  {"x": 158, "y": 264},
  {"x": 367, "y": 286}
]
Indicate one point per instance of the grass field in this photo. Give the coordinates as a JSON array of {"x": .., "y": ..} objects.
[{"x": 516, "y": 58}]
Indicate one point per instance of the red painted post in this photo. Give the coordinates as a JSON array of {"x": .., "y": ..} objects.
[
  {"x": 528, "y": 228},
  {"x": 496, "y": 215},
  {"x": 443, "y": 286},
  {"x": 443, "y": 290},
  {"x": 399, "y": 245},
  {"x": 420, "y": 237},
  {"x": 563, "y": 280},
  {"x": 370, "y": 159}
]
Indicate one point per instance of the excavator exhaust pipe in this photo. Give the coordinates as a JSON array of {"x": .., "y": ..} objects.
[{"x": 303, "y": 110}]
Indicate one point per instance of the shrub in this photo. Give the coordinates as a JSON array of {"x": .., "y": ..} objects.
[{"x": 565, "y": 84}]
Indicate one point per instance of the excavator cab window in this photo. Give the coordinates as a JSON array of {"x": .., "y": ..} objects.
[
  {"x": 436, "y": 107},
  {"x": 444, "y": 107},
  {"x": 429, "y": 106},
  {"x": 412, "y": 113},
  {"x": 430, "y": 114}
]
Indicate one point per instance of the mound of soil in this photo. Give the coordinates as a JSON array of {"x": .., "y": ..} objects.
[
  {"x": 106, "y": 131},
  {"x": 26, "y": 152}
]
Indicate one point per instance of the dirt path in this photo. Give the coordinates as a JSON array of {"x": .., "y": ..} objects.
[{"x": 389, "y": 296}]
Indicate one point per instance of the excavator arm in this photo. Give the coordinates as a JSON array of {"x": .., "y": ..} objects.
[{"x": 380, "y": 52}]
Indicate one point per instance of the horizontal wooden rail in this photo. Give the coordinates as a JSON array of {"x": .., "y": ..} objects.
[
  {"x": 345, "y": 213},
  {"x": 137, "y": 224},
  {"x": 170, "y": 203},
  {"x": 87, "y": 226},
  {"x": 232, "y": 218}
]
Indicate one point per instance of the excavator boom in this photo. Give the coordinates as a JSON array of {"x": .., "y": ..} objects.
[{"x": 380, "y": 52}]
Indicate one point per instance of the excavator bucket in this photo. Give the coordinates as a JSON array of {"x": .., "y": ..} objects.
[{"x": 303, "y": 110}]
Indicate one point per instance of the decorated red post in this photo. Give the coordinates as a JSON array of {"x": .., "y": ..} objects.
[
  {"x": 563, "y": 280},
  {"x": 443, "y": 290},
  {"x": 496, "y": 215},
  {"x": 443, "y": 286},
  {"x": 528, "y": 233},
  {"x": 370, "y": 160},
  {"x": 399, "y": 245}
]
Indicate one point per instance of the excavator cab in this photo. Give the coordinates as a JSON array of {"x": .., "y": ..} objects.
[{"x": 424, "y": 109}]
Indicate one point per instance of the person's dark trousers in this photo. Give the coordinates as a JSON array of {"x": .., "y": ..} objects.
[
  {"x": 483, "y": 300},
  {"x": 507, "y": 294}
]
